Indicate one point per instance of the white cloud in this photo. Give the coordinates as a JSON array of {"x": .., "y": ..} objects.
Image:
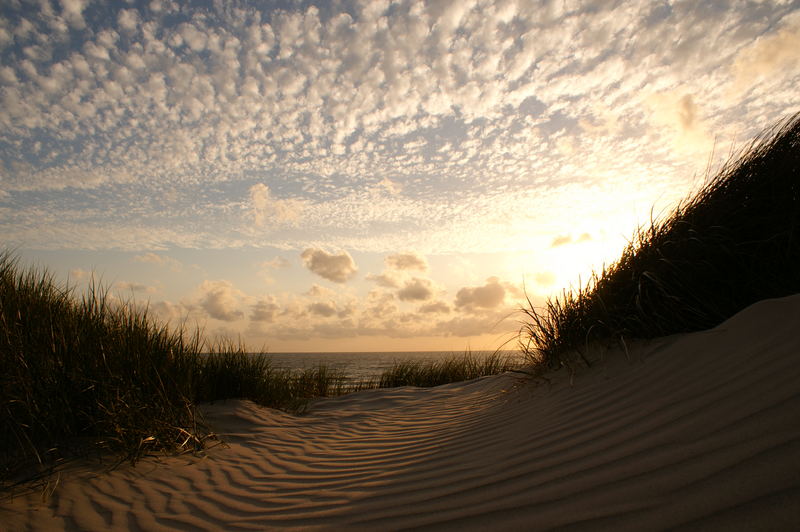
[
  {"x": 169, "y": 312},
  {"x": 416, "y": 289},
  {"x": 194, "y": 38},
  {"x": 160, "y": 260},
  {"x": 489, "y": 296},
  {"x": 682, "y": 117},
  {"x": 220, "y": 300},
  {"x": 475, "y": 325},
  {"x": 277, "y": 263},
  {"x": 264, "y": 311},
  {"x": 73, "y": 12},
  {"x": 267, "y": 210},
  {"x": 338, "y": 267},
  {"x": 128, "y": 20},
  {"x": 79, "y": 274},
  {"x": 267, "y": 267},
  {"x": 325, "y": 310},
  {"x": 387, "y": 279},
  {"x": 381, "y": 129},
  {"x": 562, "y": 240},
  {"x": 768, "y": 55},
  {"x": 317, "y": 291},
  {"x": 126, "y": 286},
  {"x": 406, "y": 261},
  {"x": 437, "y": 307}
]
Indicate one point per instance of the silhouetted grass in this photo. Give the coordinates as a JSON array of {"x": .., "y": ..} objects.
[
  {"x": 77, "y": 373},
  {"x": 733, "y": 243},
  {"x": 437, "y": 372},
  {"x": 82, "y": 375}
]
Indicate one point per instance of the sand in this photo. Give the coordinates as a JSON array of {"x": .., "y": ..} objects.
[{"x": 696, "y": 431}]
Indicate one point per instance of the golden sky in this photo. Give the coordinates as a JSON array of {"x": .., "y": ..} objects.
[{"x": 332, "y": 176}]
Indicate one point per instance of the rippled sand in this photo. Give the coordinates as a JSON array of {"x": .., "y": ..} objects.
[{"x": 698, "y": 431}]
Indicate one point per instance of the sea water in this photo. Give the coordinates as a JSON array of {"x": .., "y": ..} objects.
[{"x": 365, "y": 365}]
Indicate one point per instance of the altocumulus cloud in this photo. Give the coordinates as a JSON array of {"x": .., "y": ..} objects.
[
  {"x": 416, "y": 289},
  {"x": 220, "y": 300},
  {"x": 488, "y": 296},
  {"x": 437, "y": 307},
  {"x": 264, "y": 311},
  {"x": 325, "y": 310},
  {"x": 419, "y": 107},
  {"x": 338, "y": 268},
  {"x": 267, "y": 209},
  {"x": 406, "y": 261},
  {"x": 160, "y": 260}
]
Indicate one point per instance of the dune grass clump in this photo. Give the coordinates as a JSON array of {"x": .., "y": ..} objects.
[
  {"x": 735, "y": 242},
  {"x": 230, "y": 371},
  {"x": 92, "y": 374},
  {"x": 84, "y": 372},
  {"x": 453, "y": 369}
]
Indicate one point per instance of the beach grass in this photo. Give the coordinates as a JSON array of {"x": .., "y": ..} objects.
[
  {"x": 92, "y": 374},
  {"x": 74, "y": 371},
  {"x": 733, "y": 243},
  {"x": 455, "y": 368}
]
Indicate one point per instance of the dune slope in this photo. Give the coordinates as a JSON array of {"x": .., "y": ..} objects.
[{"x": 695, "y": 431}]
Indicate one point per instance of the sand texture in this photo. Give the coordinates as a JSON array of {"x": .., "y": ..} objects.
[{"x": 697, "y": 431}]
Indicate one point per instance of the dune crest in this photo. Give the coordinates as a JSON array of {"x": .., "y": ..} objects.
[{"x": 699, "y": 430}]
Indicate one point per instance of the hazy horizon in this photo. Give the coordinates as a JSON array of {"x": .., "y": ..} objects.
[{"x": 367, "y": 176}]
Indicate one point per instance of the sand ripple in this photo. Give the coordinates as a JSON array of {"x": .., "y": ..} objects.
[{"x": 698, "y": 431}]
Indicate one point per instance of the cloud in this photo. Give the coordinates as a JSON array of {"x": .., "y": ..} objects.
[
  {"x": 338, "y": 268},
  {"x": 79, "y": 274},
  {"x": 266, "y": 267},
  {"x": 390, "y": 186},
  {"x": 680, "y": 114},
  {"x": 416, "y": 289},
  {"x": 126, "y": 286},
  {"x": 160, "y": 260},
  {"x": 170, "y": 312},
  {"x": 437, "y": 307},
  {"x": 268, "y": 210},
  {"x": 72, "y": 10},
  {"x": 406, "y": 261},
  {"x": 318, "y": 291},
  {"x": 419, "y": 123},
  {"x": 276, "y": 264},
  {"x": 562, "y": 240},
  {"x": 325, "y": 310},
  {"x": 387, "y": 279},
  {"x": 395, "y": 274},
  {"x": 379, "y": 305},
  {"x": 768, "y": 54},
  {"x": 264, "y": 311},
  {"x": 488, "y": 296},
  {"x": 220, "y": 300},
  {"x": 467, "y": 326},
  {"x": 128, "y": 20}
]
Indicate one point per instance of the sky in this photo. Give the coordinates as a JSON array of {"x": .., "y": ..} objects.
[{"x": 367, "y": 175}]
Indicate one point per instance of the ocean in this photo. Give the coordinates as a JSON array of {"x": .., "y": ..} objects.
[{"x": 365, "y": 365}]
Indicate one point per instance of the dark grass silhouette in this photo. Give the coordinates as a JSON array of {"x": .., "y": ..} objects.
[
  {"x": 95, "y": 376},
  {"x": 735, "y": 242},
  {"x": 452, "y": 369}
]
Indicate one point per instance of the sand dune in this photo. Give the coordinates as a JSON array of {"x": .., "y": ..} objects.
[{"x": 696, "y": 431}]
